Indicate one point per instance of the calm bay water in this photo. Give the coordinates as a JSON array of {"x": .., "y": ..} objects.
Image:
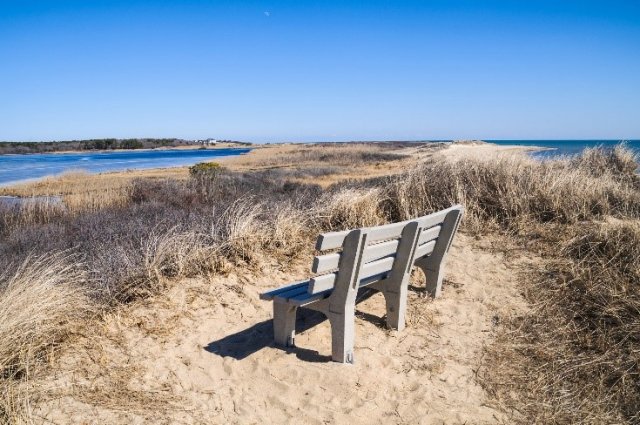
[
  {"x": 15, "y": 168},
  {"x": 566, "y": 147}
]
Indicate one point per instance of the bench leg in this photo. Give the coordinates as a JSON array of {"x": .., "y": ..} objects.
[
  {"x": 342, "y": 335},
  {"x": 284, "y": 324},
  {"x": 396, "y": 307},
  {"x": 434, "y": 281}
]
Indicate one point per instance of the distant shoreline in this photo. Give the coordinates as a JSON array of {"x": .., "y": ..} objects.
[
  {"x": 262, "y": 150},
  {"x": 455, "y": 147},
  {"x": 28, "y": 168},
  {"x": 163, "y": 148}
]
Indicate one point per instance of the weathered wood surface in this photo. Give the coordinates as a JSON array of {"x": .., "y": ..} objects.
[
  {"x": 327, "y": 262},
  {"x": 269, "y": 295}
]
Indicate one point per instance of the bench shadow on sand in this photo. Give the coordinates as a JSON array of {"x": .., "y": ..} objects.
[{"x": 241, "y": 345}]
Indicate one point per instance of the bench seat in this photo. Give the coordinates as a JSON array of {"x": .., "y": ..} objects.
[{"x": 298, "y": 293}]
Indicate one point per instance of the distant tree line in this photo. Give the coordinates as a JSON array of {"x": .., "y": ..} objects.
[
  {"x": 90, "y": 145},
  {"x": 235, "y": 142}
]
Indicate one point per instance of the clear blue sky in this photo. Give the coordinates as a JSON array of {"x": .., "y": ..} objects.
[{"x": 323, "y": 70}]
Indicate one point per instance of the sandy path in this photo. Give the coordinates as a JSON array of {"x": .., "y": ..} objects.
[
  {"x": 457, "y": 151},
  {"x": 202, "y": 353}
]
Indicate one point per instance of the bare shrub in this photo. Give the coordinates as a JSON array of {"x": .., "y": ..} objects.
[
  {"x": 175, "y": 193},
  {"x": 204, "y": 176}
]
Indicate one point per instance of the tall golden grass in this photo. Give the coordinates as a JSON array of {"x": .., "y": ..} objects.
[
  {"x": 350, "y": 208},
  {"x": 515, "y": 190},
  {"x": 42, "y": 303},
  {"x": 39, "y": 305},
  {"x": 574, "y": 358}
]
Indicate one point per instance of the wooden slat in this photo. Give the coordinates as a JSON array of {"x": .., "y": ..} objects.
[
  {"x": 373, "y": 279},
  {"x": 271, "y": 294},
  {"x": 386, "y": 232},
  {"x": 381, "y": 250},
  {"x": 377, "y": 267},
  {"x": 335, "y": 240},
  {"x": 328, "y": 262},
  {"x": 326, "y": 282},
  {"x": 424, "y": 250},
  {"x": 292, "y": 293},
  {"x": 331, "y": 240},
  {"x": 303, "y": 299},
  {"x": 324, "y": 263},
  {"x": 436, "y": 218},
  {"x": 322, "y": 283},
  {"x": 429, "y": 235}
]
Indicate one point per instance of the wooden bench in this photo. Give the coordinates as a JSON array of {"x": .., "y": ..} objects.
[{"x": 380, "y": 258}]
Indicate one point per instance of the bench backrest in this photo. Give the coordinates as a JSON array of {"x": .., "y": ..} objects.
[
  {"x": 436, "y": 234},
  {"x": 372, "y": 254}
]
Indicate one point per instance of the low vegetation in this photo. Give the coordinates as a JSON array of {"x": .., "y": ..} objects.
[
  {"x": 329, "y": 163},
  {"x": 573, "y": 358},
  {"x": 336, "y": 155}
]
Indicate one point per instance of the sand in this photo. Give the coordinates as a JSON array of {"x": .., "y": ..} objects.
[{"x": 203, "y": 353}]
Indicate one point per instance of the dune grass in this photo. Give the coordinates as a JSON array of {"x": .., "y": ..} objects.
[
  {"x": 573, "y": 359},
  {"x": 43, "y": 302},
  {"x": 514, "y": 190}
]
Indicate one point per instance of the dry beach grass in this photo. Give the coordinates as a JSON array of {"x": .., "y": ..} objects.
[
  {"x": 567, "y": 352},
  {"x": 574, "y": 357},
  {"x": 42, "y": 304}
]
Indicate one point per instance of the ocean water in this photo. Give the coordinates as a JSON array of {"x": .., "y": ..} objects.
[
  {"x": 16, "y": 168},
  {"x": 566, "y": 147}
]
